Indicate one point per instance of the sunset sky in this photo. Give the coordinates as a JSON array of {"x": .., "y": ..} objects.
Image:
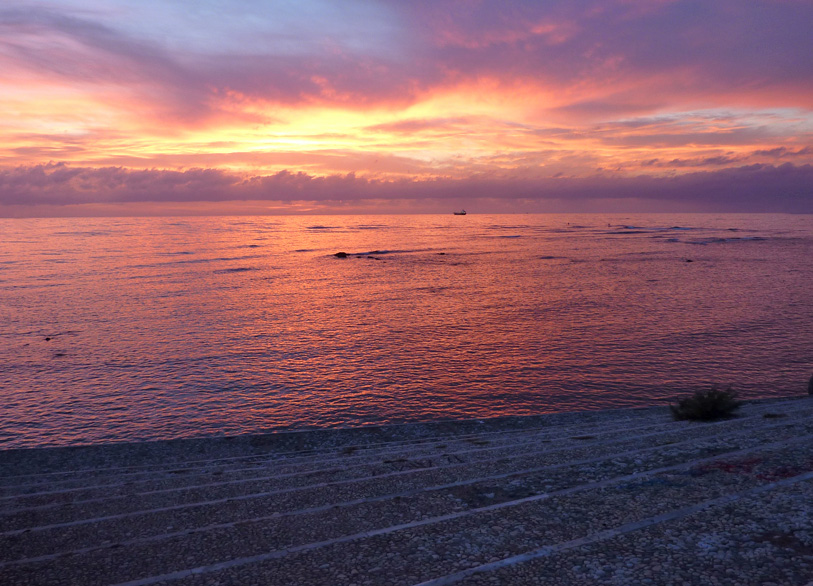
[{"x": 276, "y": 106}]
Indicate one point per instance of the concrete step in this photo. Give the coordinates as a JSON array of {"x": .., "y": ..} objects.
[
  {"x": 761, "y": 538},
  {"x": 305, "y": 490},
  {"x": 124, "y": 482},
  {"x": 77, "y": 466},
  {"x": 270, "y": 450},
  {"x": 437, "y": 542},
  {"x": 500, "y": 509},
  {"x": 146, "y": 525},
  {"x": 416, "y": 554}
]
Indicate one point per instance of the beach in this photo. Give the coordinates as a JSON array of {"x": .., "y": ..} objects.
[{"x": 625, "y": 496}]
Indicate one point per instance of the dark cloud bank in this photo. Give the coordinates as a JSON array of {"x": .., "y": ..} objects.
[{"x": 753, "y": 188}]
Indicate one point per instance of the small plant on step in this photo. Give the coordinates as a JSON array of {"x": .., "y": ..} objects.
[{"x": 708, "y": 405}]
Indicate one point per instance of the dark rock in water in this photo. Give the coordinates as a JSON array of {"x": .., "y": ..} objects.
[
  {"x": 340, "y": 255},
  {"x": 689, "y": 260},
  {"x": 47, "y": 339}
]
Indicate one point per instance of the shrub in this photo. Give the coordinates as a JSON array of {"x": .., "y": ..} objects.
[{"x": 706, "y": 405}]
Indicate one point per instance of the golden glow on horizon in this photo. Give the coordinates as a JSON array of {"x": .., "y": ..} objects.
[
  {"x": 481, "y": 127},
  {"x": 400, "y": 91}
]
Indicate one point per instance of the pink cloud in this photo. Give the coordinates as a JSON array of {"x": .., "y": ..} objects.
[
  {"x": 613, "y": 83},
  {"x": 675, "y": 51}
]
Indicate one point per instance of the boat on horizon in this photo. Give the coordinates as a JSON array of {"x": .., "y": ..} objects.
[{"x": 460, "y": 213}]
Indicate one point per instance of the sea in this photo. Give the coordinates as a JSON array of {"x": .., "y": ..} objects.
[{"x": 126, "y": 329}]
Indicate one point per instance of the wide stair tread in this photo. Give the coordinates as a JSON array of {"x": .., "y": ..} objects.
[
  {"x": 128, "y": 482},
  {"x": 414, "y": 525},
  {"x": 190, "y": 471},
  {"x": 313, "y": 489},
  {"x": 184, "y": 457}
]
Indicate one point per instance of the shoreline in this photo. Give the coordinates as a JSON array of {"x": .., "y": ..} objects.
[
  {"x": 307, "y": 439},
  {"x": 625, "y": 496}
]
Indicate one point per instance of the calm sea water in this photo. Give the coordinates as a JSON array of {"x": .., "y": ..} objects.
[{"x": 184, "y": 327}]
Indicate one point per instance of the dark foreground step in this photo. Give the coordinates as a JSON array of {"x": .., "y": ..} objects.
[
  {"x": 398, "y": 455},
  {"x": 329, "y": 519},
  {"x": 61, "y": 506},
  {"x": 183, "y": 509},
  {"x": 496, "y": 510},
  {"x": 433, "y": 548},
  {"x": 571, "y": 507},
  {"x": 27, "y": 468},
  {"x": 761, "y": 539}
]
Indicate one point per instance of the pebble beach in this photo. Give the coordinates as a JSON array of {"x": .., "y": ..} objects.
[{"x": 623, "y": 497}]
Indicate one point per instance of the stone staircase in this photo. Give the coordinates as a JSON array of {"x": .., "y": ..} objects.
[{"x": 612, "y": 497}]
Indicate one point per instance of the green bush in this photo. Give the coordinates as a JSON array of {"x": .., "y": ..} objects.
[{"x": 706, "y": 405}]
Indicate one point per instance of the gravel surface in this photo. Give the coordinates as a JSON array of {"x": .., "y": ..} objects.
[{"x": 614, "y": 497}]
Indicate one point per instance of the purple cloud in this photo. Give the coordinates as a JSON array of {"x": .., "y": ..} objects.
[
  {"x": 781, "y": 152},
  {"x": 658, "y": 85},
  {"x": 755, "y": 188},
  {"x": 611, "y": 49}
]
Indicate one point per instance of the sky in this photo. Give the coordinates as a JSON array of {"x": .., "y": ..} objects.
[{"x": 120, "y": 107}]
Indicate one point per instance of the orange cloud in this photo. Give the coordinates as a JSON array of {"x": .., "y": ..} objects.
[{"x": 446, "y": 92}]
